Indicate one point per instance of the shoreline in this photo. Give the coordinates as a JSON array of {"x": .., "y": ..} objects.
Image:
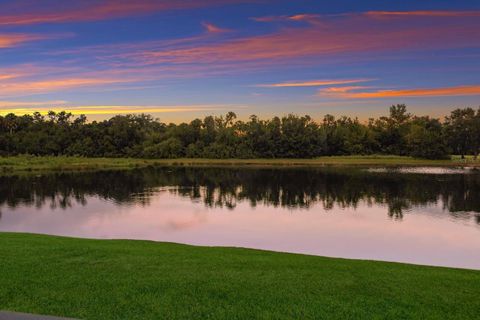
[{"x": 32, "y": 164}]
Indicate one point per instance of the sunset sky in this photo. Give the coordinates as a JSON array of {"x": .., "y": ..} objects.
[{"x": 181, "y": 59}]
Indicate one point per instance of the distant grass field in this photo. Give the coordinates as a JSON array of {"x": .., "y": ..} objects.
[
  {"x": 120, "y": 279},
  {"x": 24, "y": 164}
]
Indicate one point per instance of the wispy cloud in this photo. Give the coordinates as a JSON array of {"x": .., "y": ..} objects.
[
  {"x": 112, "y": 109},
  {"x": 27, "y": 80},
  {"x": 309, "y": 17},
  {"x": 77, "y": 11},
  {"x": 207, "y": 55},
  {"x": 7, "y": 106},
  {"x": 13, "y": 40},
  {"x": 312, "y": 83},
  {"x": 29, "y": 87},
  {"x": 315, "y": 18},
  {"x": 336, "y": 36},
  {"x": 360, "y": 93},
  {"x": 211, "y": 28},
  {"x": 6, "y": 76},
  {"x": 339, "y": 35},
  {"x": 425, "y": 13}
]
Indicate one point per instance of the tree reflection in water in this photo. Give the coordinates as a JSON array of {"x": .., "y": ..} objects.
[{"x": 294, "y": 188}]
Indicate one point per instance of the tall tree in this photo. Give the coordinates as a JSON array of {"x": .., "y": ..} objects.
[{"x": 460, "y": 128}]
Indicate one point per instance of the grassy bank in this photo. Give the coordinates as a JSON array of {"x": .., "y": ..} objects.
[
  {"x": 103, "y": 279},
  {"x": 36, "y": 164}
]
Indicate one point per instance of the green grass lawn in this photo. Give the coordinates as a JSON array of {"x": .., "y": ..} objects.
[
  {"x": 104, "y": 279},
  {"x": 22, "y": 164}
]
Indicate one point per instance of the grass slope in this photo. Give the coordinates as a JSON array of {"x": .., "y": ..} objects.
[
  {"x": 103, "y": 279},
  {"x": 22, "y": 164}
]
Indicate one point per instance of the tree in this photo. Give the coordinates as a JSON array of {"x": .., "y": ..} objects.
[
  {"x": 461, "y": 129},
  {"x": 169, "y": 149},
  {"x": 425, "y": 139},
  {"x": 476, "y": 134}
]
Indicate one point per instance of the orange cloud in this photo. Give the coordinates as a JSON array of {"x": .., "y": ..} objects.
[
  {"x": 304, "y": 17},
  {"x": 12, "y": 40},
  {"x": 6, "y": 76},
  {"x": 16, "y": 108},
  {"x": 25, "y": 80},
  {"x": 313, "y": 83},
  {"x": 353, "y": 93},
  {"x": 425, "y": 13},
  {"x": 42, "y": 86},
  {"x": 100, "y": 10}
]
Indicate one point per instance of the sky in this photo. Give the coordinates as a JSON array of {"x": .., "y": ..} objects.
[{"x": 183, "y": 59}]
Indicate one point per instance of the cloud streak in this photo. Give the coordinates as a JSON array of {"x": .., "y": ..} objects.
[
  {"x": 312, "y": 83},
  {"x": 6, "y": 76},
  {"x": 316, "y": 18},
  {"x": 16, "y": 108},
  {"x": 211, "y": 28},
  {"x": 308, "y": 17},
  {"x": 354, "y": 93},
  {"x": 425, "y": 13},
  {"x": 339, "y": 35},
  {"x": 55, "y": 84},
  {"x": 13, "y": 40},
  {"x": 313, "y": 41},
  {"x": 12, "y": 105},
  {"x": 79, "y": 11}
]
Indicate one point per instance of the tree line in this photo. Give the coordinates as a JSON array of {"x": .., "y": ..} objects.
[{"x": 291, "y": 136}]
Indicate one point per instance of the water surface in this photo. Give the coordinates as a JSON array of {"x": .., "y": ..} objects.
[{"x": 425, "y": 217}]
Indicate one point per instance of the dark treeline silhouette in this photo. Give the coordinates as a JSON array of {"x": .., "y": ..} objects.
[
  {"x": 401, "y": 133},
  {"x": 458, "y": 194}
]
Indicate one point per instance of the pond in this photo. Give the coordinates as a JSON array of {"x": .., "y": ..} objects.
[{"x": 425, "y": 216}]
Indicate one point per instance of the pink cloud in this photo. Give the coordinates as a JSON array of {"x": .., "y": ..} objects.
[
  {"x": 211, "y": 28},
  {"x": 42, "y": 86},
  {"x": 208, "y": 55},
  {"x": 345, "y": 35},
  {"x": 99, "y": 10},
  {"x": 13, "y": 40},
  {"x": 303, "y": 17},
  {"x": 337, "y": 36},
  {"x": 315, "y": 18}
]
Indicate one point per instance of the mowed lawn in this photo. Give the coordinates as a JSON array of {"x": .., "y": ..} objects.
[
  {"x": 26, "y": 164},
  {"x": 105, "y": 279}
]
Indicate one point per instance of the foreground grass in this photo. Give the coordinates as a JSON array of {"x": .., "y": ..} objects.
[
  {"x": 20, "y": 164},
  {"x": 104, "y": 279}
]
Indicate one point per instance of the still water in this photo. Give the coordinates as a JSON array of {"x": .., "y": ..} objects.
[{"x": 424, "y": 216}]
